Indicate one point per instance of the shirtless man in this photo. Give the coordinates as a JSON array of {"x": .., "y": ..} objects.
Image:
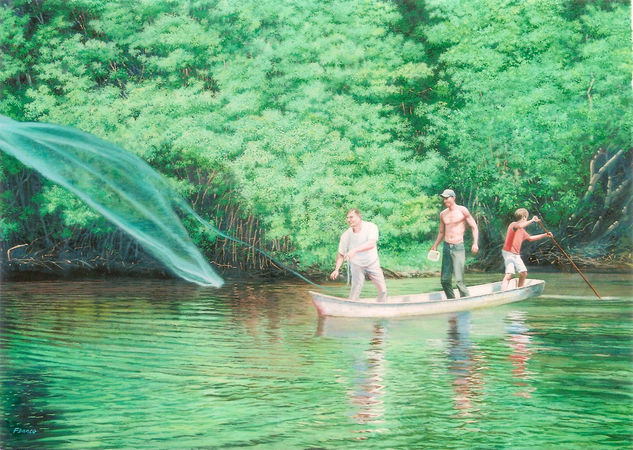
[{"x": 453, "y": 222}]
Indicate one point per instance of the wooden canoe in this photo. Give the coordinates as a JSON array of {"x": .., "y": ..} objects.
[{"x": 481, "y": 296}]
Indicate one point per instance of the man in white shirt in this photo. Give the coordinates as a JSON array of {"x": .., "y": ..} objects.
[{"x": 358, "y": 245}]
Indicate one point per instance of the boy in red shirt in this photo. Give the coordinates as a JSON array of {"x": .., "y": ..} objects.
[{"x": 511, "y": 250}]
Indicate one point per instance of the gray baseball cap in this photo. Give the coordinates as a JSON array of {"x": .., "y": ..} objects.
[{"x": 447, "y": 193}]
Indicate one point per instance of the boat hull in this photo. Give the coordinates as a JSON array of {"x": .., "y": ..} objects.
[{"x": 482, "y": 296}]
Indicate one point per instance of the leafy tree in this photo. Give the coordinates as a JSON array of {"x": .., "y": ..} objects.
[
  {"x": 274, "y": 118},
  {"x": 292, "y": 104},
  {"x": 529, "y": 92}
]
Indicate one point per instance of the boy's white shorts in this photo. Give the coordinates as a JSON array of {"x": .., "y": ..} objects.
[{"x": 513, "y": 262}]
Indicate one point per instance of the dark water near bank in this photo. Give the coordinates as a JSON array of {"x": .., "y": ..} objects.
[{"x": 165, "y": 364}]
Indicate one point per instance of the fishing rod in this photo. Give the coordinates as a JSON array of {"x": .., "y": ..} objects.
[{"x": 551, "y": 236}]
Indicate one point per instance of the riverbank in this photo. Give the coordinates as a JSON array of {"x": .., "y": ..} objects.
[{"x": 29, "y": 267}]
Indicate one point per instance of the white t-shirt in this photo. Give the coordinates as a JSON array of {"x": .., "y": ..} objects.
[{"x": 350, "y": 240}]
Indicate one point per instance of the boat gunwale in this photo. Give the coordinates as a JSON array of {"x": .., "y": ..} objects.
[{"x": 373, "y": 303}]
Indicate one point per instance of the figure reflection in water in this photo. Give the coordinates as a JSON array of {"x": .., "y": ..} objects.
[
  {"x": 368, "y": 391},
  {"x": 519, "y": 341},
  {"x": 465, "y": 363},
  {"x": 366, "y": 388}
]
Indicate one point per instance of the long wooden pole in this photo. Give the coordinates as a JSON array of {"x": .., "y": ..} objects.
[{"x": 572, "y": 263}]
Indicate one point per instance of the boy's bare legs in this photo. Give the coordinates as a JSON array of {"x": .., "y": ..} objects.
[{"x": 506, "y": 281}]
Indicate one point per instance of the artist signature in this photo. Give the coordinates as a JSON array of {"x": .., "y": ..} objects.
[{"x": 18, "y": 430}]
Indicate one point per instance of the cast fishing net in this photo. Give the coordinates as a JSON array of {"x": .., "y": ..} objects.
[{"x": 117, "y": 184}]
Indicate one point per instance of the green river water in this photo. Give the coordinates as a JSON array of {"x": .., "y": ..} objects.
[{"x": 165, "y": 364}]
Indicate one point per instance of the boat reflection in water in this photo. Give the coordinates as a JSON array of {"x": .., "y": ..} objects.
[
  {"x": 469, "y": 367},
  {"x": 366, "y": 387},
  {"x": 465, "y": 364}
]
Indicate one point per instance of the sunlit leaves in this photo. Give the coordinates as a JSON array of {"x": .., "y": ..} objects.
[
  {"x": 304, "y": 108},
  {"x": 521, "y": 119}
]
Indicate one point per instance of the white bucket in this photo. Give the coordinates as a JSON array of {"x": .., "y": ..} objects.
[{"x": 433, "y": 255}]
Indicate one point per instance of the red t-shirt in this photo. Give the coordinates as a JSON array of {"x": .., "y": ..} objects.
[{"x": 514, "y": 239}]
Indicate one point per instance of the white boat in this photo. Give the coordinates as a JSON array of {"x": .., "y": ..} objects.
[{"x": 481, "y": 296}]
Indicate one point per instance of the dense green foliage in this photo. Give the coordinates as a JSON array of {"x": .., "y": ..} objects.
[
  {"x": 285, "y": 114},
  {"x": 530, "y": 91}
]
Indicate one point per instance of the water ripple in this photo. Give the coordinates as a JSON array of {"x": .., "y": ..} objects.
[{"x": 165, "y": 365}]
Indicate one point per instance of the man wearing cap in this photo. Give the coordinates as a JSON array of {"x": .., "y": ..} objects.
[
  {"x": 453, "y": 222},
  {"x": 358, "y": 246}
]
